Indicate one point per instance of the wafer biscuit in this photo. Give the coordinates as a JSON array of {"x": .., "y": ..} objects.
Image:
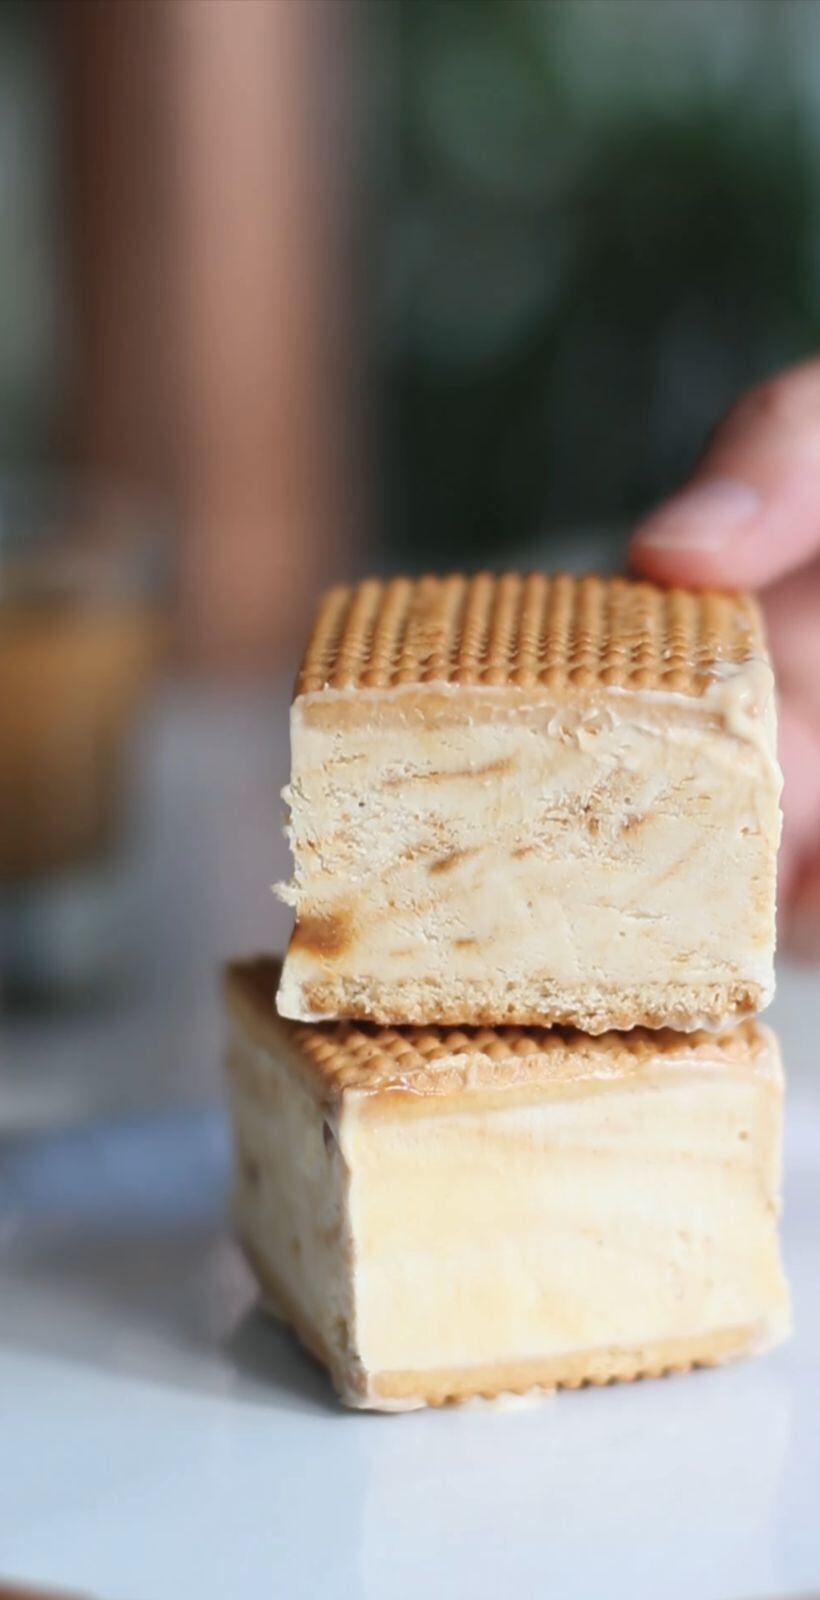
[
  {"x": 513, "y": 799},
  {"x": 446, "y": 1213}
]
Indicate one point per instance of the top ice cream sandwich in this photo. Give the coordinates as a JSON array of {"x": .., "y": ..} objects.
[{"x": 533, "y": 800}]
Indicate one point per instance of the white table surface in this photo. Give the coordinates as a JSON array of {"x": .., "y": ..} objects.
[{"x": 159, "y": 1439}]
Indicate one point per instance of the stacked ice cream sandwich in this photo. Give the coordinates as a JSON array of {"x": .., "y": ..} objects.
[{"x": 504, "y": 1117}]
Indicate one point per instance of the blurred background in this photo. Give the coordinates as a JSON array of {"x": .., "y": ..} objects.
[{"x": 292, "y": 289}]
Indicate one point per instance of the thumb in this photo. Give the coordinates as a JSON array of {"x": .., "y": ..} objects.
[{"x": 751, "y": 512}]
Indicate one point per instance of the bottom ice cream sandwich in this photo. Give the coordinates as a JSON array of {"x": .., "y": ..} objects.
[{"x": 442, "y": 1214}]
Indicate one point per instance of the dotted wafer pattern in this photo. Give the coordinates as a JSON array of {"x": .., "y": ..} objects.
[
  {"x": 351, "y": 1055},
  {"x": 527, "y": 631}
]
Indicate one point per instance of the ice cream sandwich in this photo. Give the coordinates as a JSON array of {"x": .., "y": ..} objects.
[
  {"x": 442, "y": 1214},
  {"x": 533, "y": 800}
]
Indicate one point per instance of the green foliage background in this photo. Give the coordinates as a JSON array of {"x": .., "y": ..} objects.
[{"x": 595, "y": 221}]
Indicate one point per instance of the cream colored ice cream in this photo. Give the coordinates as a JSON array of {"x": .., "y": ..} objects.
[
  {"x": 444, "y": 1214},
  {"x": 546, "y": 801}
]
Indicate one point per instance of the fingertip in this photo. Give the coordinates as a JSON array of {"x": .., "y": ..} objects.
[
  {"x": 687, "y": 569},
  {"x": 696, "y": 537}
]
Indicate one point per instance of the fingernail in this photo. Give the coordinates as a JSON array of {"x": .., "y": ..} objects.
[{"x": 705, "y": 517}]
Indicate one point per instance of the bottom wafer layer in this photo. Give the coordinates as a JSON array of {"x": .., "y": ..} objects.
[
  {"x": 407, "y": 1390},
  {"x": 593, "y": 1008}
]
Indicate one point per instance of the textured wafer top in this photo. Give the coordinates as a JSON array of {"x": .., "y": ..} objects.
[
  {"x": 339, "y": 1056},
  {"x": 527, "y": 632}
]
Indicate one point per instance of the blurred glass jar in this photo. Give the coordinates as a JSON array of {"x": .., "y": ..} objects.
[{"x": 81, "y": 586}]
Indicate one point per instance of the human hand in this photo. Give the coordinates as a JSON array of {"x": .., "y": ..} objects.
[{"x": 750, "y": 518}]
